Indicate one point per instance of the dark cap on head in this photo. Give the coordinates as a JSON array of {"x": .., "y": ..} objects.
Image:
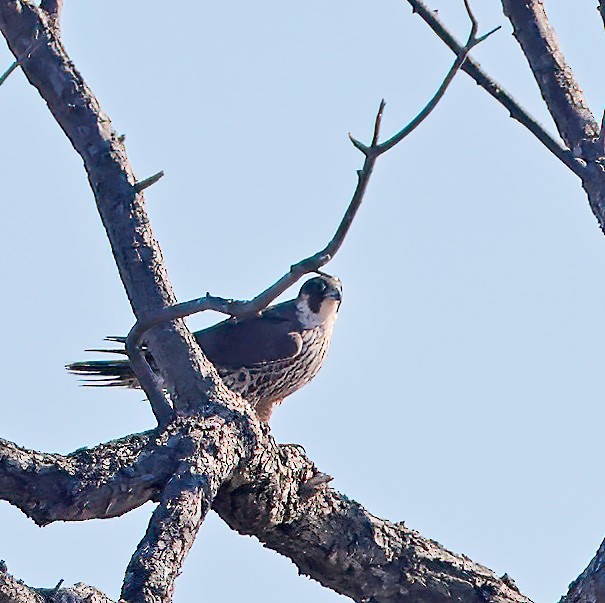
[{"x": 320, "y": 288}]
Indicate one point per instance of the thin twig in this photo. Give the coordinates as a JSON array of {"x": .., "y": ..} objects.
[
  {"x": 515, "y": 110},
  {"x": 141, "y": 185},
  {"x": 471, "y": 16},
  {"x": 26, "y": 55},
  {"x": 462, "y": 56},
  {"x": 5, "y": 75},
  {"x": 243, "y": 308}
]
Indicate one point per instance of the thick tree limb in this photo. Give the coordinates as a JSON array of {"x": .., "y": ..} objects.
[
  {"x": 138, "y": 257},
  {"x": 114, "y": 478},
  {"x": 174, "y": 525},
  {"x": 13, "y": 591},
  {"x": 329, "y": 537},
  {"x": 216, "y": 451},
  {"x": 589, "y": 587},
  {"x": 337, "y": 542},
  {"x": 493, "y": 88},
  {"x": 275, "y": 494},
  {"x": 105, "y": 481},
  {"x": 560, "y": 91}
]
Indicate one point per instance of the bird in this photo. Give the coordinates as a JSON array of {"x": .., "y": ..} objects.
[{"x": 264, "y": 358}]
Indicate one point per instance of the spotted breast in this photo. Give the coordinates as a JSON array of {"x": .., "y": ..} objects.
[{"x": 264, "y": 358}]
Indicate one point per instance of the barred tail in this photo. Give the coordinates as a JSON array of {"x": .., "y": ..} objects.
[{"x": 105, "y": 373}]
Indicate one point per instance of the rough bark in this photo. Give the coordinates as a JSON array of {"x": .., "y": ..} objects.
[
  {"x": 274, "y": 497},
  {"x": 560, "y": 91},
  {"x": 33, "y": 40},
  {"x": 14, "y": 591},
  {"x": 344, "y": 547},
  {"x": 590, "y": 584},
  {"x": 215, "y": 452},
  {"x": 105, "y": 481}
]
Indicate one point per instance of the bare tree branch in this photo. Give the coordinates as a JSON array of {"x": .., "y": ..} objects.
[
  {"x": 143, "y": 184},
  {"x": 270, "y": 498},
  {"x": 589, "y": 587},
  {"x": 105, "y": 481},
  {"x": 79, "y": 593},
  {"x": 338, "y": 543},
  {"x": 15, "y": 591},
  {"x": 109, "y": 480},
  {"x": 461, "y": 57},
  {"x": 215, "y": 439},
  {"x": 515, "y": 110},
  {"x": 188, "y": 376},
  {"x": 174, "y": 525},
  {"x": 238, "y": 308},
  {"x": 172, "y": 530},
  {"x": 560, "y": 91},
  {"x": 5, "y": 75},
  {"x": 216, "y": 449}
]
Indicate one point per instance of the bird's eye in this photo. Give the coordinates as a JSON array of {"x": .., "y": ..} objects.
[{"x": 315, "y": 287}]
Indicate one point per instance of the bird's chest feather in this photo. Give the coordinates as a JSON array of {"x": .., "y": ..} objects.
[{"x": 276, "y": 380}]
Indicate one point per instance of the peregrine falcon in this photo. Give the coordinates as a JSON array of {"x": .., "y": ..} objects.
[{"x": 263, "y": 358}]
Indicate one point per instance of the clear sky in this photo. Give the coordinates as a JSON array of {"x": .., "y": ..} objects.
[{"x": 463, "y": 390}]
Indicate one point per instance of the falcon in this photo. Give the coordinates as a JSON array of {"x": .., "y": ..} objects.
[{"x": 263, "y": 358}]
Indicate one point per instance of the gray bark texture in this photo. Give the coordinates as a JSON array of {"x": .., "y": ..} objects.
[
  {"x": 213, "y": 453},
  {"x": 563, "y": 96},
  {"x": 14, "y": 591},
  {"x": 590, "y": 585},
  {"x": 560, "y": 91}
]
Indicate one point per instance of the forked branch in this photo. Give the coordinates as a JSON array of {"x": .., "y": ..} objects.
[
  {"x": 493, "y": 88},
  {"x": 388, "y": 562},
  {"x": 149, "y": 381}
]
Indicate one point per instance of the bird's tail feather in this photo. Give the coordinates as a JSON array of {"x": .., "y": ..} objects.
[{"x": 105, "y": 373}]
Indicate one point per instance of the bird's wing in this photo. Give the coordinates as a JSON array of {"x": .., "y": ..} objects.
[{"x": 268, "y": 338}]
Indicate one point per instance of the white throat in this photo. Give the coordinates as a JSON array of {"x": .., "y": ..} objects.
[{"x": 310, "y": 320}]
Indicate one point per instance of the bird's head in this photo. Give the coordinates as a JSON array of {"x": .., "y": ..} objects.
[{"x": 318, "y": 300}]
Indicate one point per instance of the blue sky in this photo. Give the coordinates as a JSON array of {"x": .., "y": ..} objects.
[{"x": 463, "y": 390}]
